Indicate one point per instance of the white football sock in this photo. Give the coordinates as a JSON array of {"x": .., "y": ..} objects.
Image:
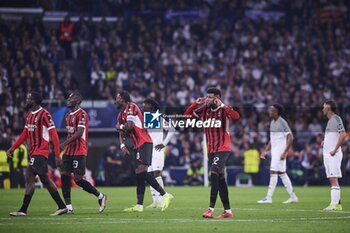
[
  {"x": 272, "y": 185},
  {"x": 100, "y": 196},
  {"x": 153, "y": 193},
  {"x": 287, "y": 184},
  {"x": 69, "y": 207},
  {"x": 159, "y": 197},
  {"x": 335, "y": 194}
]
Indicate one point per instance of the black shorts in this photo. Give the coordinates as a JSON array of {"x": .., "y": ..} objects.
[
  {"x": 38, "y": 165},
  {"x": 144, "y": 154},
  {"x": 218, "y": 161},
  {"x": 75, "y": 164}
]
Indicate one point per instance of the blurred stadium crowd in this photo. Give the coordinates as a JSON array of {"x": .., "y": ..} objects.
[{"x": 296, "y": 53}]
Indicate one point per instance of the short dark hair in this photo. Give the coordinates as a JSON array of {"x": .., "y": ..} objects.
[
  {"x": 332, "y": 104},
  {"x": 125, "y": 96},
  {"x": 77, "y": 93},
  {"x": 155, "y": 105},
  {"x": 279, "y": 108},
  {"x": 36, "y": 97},
  {"x": 214, "y": 90}
]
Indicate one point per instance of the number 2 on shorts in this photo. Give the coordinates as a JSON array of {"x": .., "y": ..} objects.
[{"x": 215, "y": 160}]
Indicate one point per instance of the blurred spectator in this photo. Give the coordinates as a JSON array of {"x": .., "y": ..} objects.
[
  {"x": 19, "y": 164},
  {"x": 65, "y": 36},
  {"x": 116, "y": 169}
]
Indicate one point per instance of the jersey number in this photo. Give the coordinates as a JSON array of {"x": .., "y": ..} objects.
[
  {"x": 31, "y": 162},
  {"x": 215, "y": 160},
  {"x": 75, "y": 163}
]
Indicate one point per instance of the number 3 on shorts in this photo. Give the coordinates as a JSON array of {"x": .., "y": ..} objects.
[
  {"x": 75, "y": 163},
  {"x": 31, "y": 162},
  {"x": 215, "y": 160}
]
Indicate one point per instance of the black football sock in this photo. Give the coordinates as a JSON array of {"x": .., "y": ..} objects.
[
  {"x": 66, "y": 188},
  {"x": 214, "y": 189},
  {"x": 87, "y": 187},
  {"x": 58, "y": 200},
  {"x": 26, "y": 202},
  {"x": 223, "y": 191},
  {"x": 153, "y": 182},
  {"x": 140, "y": 188}
]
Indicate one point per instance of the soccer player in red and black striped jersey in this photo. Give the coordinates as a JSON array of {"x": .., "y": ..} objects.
[
  {"x": 218, "y": 145},
  {"x": 75, "y": 152},
  {"x": 130, "y": 121},
  {"x": 38, "y": 129}
]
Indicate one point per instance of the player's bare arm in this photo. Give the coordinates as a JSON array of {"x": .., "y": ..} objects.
[
  {"x": 127, "y": 127},
  {"x": 342, "y": 136},
  {"x": 122, "y": 143},
  {"x": 74, "y": 137},
  {"x": 265, "y": 151},
  {"x": 290, "y": 139}
]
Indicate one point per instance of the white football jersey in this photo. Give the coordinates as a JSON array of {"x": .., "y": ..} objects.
[
  {"x": 334, "y": 127},
  {"x": 279, "y": 130}
]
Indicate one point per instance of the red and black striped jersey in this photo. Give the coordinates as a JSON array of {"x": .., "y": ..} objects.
[
  {"x": 138, "y": 134},
  {"x": 38, "y": 124},
  {"x": 218, "y": 139},
  {"x": 74, "y": 120}
]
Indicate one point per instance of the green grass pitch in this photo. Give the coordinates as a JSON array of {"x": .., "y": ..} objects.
[{"x": 183, "y": 215}]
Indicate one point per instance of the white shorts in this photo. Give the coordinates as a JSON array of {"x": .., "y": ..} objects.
[
  {"x": 332, "y": 164},
  {"x": 157, "y": 161},
  {"x": 277, "y": 164}
]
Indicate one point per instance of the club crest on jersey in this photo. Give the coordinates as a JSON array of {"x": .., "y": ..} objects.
[{"x": 31, "y": 127}]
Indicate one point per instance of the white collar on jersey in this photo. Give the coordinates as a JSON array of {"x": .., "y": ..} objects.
[
  {"x": 37, "y": 110},
  {"x": 72, "y": 113}
]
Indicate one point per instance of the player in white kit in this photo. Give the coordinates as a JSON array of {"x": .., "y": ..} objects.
[
  {"x": 159, "y": 143},
  {"x": 281, "y": 139},
  {"x": 332, "y": 152}
]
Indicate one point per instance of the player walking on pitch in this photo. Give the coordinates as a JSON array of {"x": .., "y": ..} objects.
[
  {"x": 281, "y": 139},
  {"x": 38, "y": 129},
  {"x": 75, "y": 152},
  {"x": 159, "y": 142},
  {"x": 332, "y": 152},
  {"x": 218, "y": 145},
  {"x": 130, "y": 121}
]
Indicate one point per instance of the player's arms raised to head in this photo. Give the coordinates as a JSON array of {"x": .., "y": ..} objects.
[
  {"x": 192, "y": 109},
  {"x": 75, "y": 136},
  {"x": 232, "y": 114},
  {"x": 19, "y": 142}
]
